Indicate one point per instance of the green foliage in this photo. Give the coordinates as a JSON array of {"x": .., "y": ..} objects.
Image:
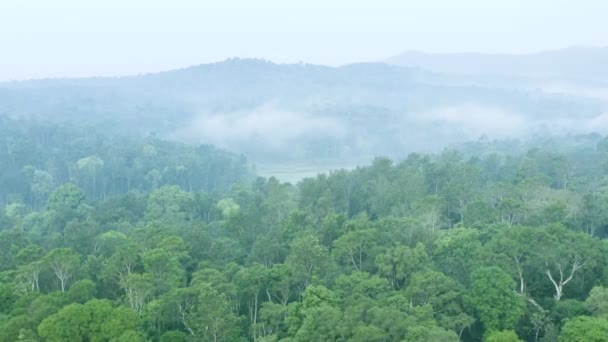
[
  {"x": 597, "y": 302},
  {"x": 95, "y": 320},
  {"x": 11, "y": 329},
  {"x": 307, "y": 258},
  {"x": 494, "y": 299},
  {"x": 501, "y": 336},
  {"x": 71, "y": 323},
  {"x": 82, "y": 291},
  {"x": 157, "y": 242},
  {"x": 174, "y": 336},
  {"x": 585, "y": 329},
  {"x": 103, "y": 161},
  {"x": 65, "y": 197},
  {"x": 122, "y": 322},
  {"x": 7, "y": 297},
  {"x": 64, "y": 263}
]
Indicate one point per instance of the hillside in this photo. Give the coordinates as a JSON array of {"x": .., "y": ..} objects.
[
  {"x": 576, "y": 63},
  {"x": 300, "y": 112}
]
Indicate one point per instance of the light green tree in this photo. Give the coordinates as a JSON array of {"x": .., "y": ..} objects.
[
  {"x": 90, "y": 167},
  {"x": 71, "y": 323},
  {"x": 502, "y": 336},
  {"x": 64, "y": 263},
  {"x": 585, "y": 329},
  {"x": 493, "y": 297}
]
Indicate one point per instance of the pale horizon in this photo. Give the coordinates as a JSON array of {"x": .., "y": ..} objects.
[{"x": 70, "y": 38}]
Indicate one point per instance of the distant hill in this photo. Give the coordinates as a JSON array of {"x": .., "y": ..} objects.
[
  {"x": 573, "y": 63},
  {"x": 274, "y": 112}
]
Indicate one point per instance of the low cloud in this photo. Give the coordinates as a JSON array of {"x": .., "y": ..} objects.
[
  {"x": 584, "y": 91},
  {"x": 265, "y": 127},
  {"x": 459, "y": 123},
  {"x": 270, "y": 134},
  {"x": 473, "y": 120}
]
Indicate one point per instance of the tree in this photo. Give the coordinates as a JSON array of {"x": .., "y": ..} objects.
[
  {"x": 30, "y": 254},
  {"x": 228, "y": 207},
  {"x": 213, "y": 319},
  {"x": 511, "y": 210},
  {"x": 65, "y": 197},
  {"x": 307, "y": 258},
  {"x": 202, "y": 311},
  {"x": 99, "y": 311},
  {"x": 30, "y": 275},
  {"x": 399, "y": 262},
  {"x": 41, "y": 187},
  {"x": 322, "y": 323},
  {"x": 179, "y": 306},
  {"x": 494, "y": 298},
  {"x": 123, "y": 261},
  {"x": 165, "y": 268},
  {"x": 167, "y": 203},
  {"x": 42, "y": 306},
  {"x": 281, "y": 283},
  {"x": 565, "y": 254},
  {"x": 71, "y": 323},
  {"x": 444, "y": 295},
  {"x": 130, "y": 336},
  {"x": 82, "y": 291},
  {"x": 8, "y": 296},
  {"x": 517, "y": 250},
  {"x": 429, "y": 212},
  {"x": 268, "y": 250},
  {"x": 585, "y": 329},
  {"x": 251, "y": 281},
  {"x": 354, "y": 247},
  {"x": 321, "y": 320},
  {"x": 90, "y": 166},
  {"x": 121, "y": 321},
  {"x": 272, "y": 319},
  {"x": 138, "y": 289},
  {"x": 461, "y": 187},
  {"x": 94, "y": 321},
  {"x": 277, "y": 200},
  {"x": 12, "y": 328},
  {"x": 64, "y": 263},
  {"x": 502, "y": 336},
  {"x": 456, "y": 253},
  {"x": 174, "y": 336},
  {"x": 597, "y": 302}
]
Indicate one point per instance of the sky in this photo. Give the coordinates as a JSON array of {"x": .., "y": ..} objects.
[{"x": 81, "y": 38}]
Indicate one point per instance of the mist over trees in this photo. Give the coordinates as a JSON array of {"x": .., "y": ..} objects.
[
  {"x": 462, "y": 207},
  {"x": 37, "y": 157},
  {"x": 300, "y": 112}
]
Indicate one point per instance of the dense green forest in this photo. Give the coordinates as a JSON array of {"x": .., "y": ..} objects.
[
  {"x": 107, "y": 238},
  {"x": 37, "y": 157}
]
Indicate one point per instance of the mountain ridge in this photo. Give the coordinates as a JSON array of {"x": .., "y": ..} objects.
[
  {"x": 271, "y": 111},
  {"x": 574, "y": 63}
]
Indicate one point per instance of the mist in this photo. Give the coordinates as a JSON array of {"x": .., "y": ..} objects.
[
  {"x": 266, "y": 127},
  {"x": 284, "y": 115},
  {"x": 288, "y": 171}
]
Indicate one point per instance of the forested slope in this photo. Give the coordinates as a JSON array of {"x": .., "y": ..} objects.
[
  {"x": 37, "y": 156},
  {"x": 472, "y": 244},
  {"x": 301, "y": 112}
]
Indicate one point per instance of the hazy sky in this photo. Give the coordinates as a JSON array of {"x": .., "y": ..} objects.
[{"x": 54, "y": 38}]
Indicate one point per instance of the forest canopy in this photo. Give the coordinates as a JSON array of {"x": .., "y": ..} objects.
[{"x": 111, "y": 238}]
